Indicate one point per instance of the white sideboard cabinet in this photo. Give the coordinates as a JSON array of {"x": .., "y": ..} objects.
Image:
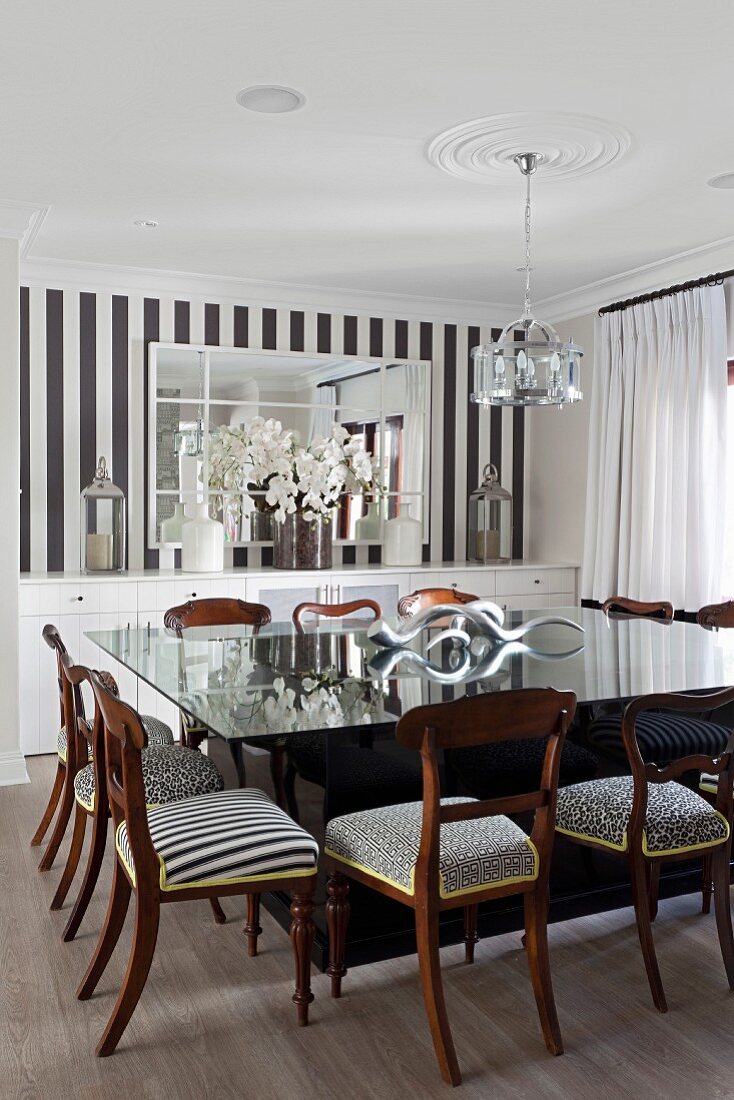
[{"x": 77, "y": 604}]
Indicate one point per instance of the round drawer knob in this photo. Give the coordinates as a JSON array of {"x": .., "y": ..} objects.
[
  {"x": 79, "y": 599},
  {"x": 537, "y": 581},
  {"x": 193, "y": 596}
]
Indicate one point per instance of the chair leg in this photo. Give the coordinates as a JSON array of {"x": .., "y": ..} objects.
[
  {"x": 536, "y": 944},
  {"x": 653, "y": 885},
  {"x": 67, "y": 805},
  {"x": 53, "y": 802},
  {"x": 94, "y": 863},
  {"x": 235, "y": 749},
  {"x": 644, "y": 930},
  {"x": 722, "y": 907},
  {"x": 426, "y": 926},
  {"x": 707, "y": 885},
  {"x": 303, "y": 931},
  {"x": 147, "y": 916},
  {"x": 252, "y": 927},
  {"x": 220, "y": 917},
  {"x": 471, "y": 936},
  {"x": 72, "y": 859},
  {"x": 337, "y": 919},
  {"x": 277, "y": 760},
  {"x": 110, "y": 934},
  {"x": 289, "y": 787}
]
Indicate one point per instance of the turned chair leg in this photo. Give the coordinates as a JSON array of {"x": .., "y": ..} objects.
[
  {"x": 707, "y": 885},
  {"x": 147, "y": 916},
  {"x": 67, "y": 805},
  {"x": 303, "y": 931},
  {"x": 94, "y": 864},
  {"x": 220, "y": 917},
  {"x": 337, "y": 919},
  {"x": 110, "y": 934},
  {"x": 289, "y": 788},
  {"x": 72, "y": 859},
  {"x": 53, "y": 802},
  {"x": 252, "y": 927},
  {"x": 644, "y": 930},
  {"x": 722, "y": 907},
  {"x": 426, "y": 926},
  {"x": 471, "y": 936},
  {"x": 536, "y": 943}
]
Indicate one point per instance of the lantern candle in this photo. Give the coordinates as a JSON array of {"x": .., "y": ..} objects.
[{"x": 99, "y": 551}]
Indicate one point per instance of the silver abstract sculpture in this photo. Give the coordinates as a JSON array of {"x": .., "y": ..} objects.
[
  {"x": 463, "y": 671},
  {"x": 481, "y": 618}
]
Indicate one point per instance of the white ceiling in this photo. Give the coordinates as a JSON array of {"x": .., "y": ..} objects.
[{"x": 112, "y": 112}]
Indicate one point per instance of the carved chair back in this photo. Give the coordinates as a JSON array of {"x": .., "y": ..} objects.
[
  {"x": 216, "y": 612},
  {"x": 52, "y": 638},
  {"x": 424, "y": 598},
  {"x": 621, "y": 607},
  {"x": 124, "y": 740},
  {"x": 482, "y": 719},
  {"x": 716, "y": 615},
  {"x": 644, "y": 772},
  {"x": 334, "y": 610}
]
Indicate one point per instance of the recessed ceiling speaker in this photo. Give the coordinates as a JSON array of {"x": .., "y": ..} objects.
[{"x": 270, "y": 99}]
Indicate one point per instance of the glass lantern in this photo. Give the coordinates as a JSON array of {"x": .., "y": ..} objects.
[
  {"x": 102, "y": 525},
  {"x": 490, "y": 521}
]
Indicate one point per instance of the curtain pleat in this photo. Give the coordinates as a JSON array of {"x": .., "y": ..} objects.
[{"x": 657, "y": 452}]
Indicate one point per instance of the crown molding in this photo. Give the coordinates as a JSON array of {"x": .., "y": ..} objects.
[
  {"x": 22, "y": 222},
  {"x": 693, "y": 264},
  {"x": 119, "y": 279}
]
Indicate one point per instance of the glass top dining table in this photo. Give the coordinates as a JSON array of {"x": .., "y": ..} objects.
[{"x": 240, "y": 682}]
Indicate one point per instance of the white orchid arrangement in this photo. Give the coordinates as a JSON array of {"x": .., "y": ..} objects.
[
  {"x": 321, "y": 703},
  {"x": 309, "y": 480}
]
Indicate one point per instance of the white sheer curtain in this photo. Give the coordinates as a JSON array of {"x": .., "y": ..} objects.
[
  {"x": 657, "y": 452},
  {"x": 322, "y": 418},
  {"x": 414, "y": 430}
]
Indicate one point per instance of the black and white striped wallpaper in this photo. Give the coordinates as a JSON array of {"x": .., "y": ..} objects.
[{"x": 83, "y": 367}]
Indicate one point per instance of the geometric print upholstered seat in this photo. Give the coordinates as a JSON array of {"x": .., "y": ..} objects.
[
  {"x": 474, "y": 855},
  {"x": 157, "y": 732},
  {"x": 677, "y": 820},
  {"x": 232, "y": 836},
  {"x": 170, "y": 773}
]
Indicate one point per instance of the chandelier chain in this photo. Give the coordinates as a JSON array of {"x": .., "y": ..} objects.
[{"x": 527, "y": 247}]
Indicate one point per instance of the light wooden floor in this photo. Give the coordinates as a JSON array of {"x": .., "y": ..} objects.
[{"x": 213, "y": 1023}]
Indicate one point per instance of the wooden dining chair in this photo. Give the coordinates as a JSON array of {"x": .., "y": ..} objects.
[
  {"x": 652, "y": 609},
  {"x": 511, "y": 767},
  {"x": 170, "y": 773},
  {"x": 69, "y": 760},
  {"x": 216, "y": 611},
  {"x": 229, "y": 843},
  {"x": 648, "y": 818},
  {"x": 442, "y": 854},
  {"x": 364, "y": 775}
]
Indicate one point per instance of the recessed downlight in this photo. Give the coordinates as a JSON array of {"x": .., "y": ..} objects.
[
  {"x": 145, "y": 223},
  {"x": 270, "y": 99},
  {"x": 724, "y": 182}
]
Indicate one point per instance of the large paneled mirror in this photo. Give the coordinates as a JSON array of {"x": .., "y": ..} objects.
[{"x": 198, "y": 393}]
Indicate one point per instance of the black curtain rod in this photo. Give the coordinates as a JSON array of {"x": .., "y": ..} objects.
[{"x": 708, "y": 280}]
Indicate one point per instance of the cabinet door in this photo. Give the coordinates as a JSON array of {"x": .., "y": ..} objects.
[
  {"x": 385, "y": 588},
  {"x": 30, "y": 643},
  {"x": 283, "y": 594}
]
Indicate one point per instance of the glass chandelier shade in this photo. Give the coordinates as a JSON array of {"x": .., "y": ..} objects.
[
  {"x": 529, "y": 364},
  {"x": 189, "y": 440}
]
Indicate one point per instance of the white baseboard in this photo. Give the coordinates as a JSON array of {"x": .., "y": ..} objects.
[{"x": 12, "y": 769}]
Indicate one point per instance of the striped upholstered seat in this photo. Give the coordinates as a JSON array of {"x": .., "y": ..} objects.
[
  {"x": 216, "y": 839},
  {"x": 170, "y": 774},
  {"x": 158, "y": 733},
  {"x": 661, "y": 737},
  {"x": 474, "y": 855}
]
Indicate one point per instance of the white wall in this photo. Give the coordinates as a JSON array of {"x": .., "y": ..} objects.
[
  {"x": 12, "y": 764},
  {"x": 557, "y": 447}
]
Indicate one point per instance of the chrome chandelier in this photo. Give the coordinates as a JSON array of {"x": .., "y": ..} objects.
[{"x": 529, "y": 364}]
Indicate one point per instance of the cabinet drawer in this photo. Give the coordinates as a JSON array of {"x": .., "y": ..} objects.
[
  {"x": 523, "y": 603},
  {"x": 477, "y": 582},
  {"x": 79, "y": 599},
  {"x": 28, "y": 599},
  {"x": 531, "y": 582}
]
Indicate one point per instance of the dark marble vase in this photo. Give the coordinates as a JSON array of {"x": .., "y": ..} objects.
[{"x": 298, "y": 544}]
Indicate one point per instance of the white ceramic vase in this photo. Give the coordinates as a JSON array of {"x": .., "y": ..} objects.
[
  {"x": 403, "y": 540},
  {"x": 368, "y": 526},
  {"x": 202, "y": 543},
  {"x": 171, "y": 528}
]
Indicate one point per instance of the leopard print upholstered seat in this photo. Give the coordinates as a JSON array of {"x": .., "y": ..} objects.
[
  {"x": 170, "y": 774},
  {"x": 678, "y": 819}
]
